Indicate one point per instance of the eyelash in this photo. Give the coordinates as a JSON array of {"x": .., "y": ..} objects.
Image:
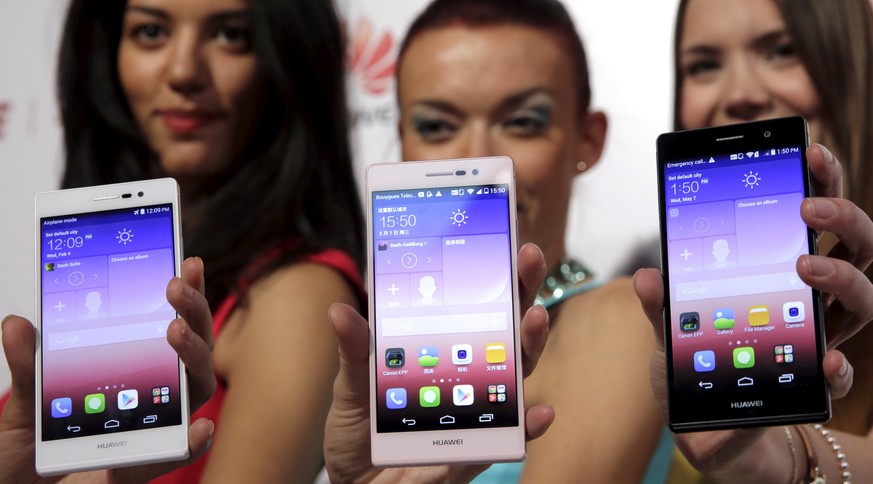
[
  {"x": 433, "y": 130},
  {"x": 527, "y": 123},
  {"x": 152, "y": 35}
]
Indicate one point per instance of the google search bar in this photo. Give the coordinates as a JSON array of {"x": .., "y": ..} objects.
[
  {"x": 444, "y": 324},
  {"x": 738, "y": 286},
  {"x": 124, "y": 333}
]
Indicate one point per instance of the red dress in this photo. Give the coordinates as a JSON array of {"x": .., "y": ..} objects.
[{"x": 333, "y": 258}]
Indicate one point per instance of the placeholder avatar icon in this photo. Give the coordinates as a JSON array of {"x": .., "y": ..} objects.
[
  {"x": 689, "y": 322},
  {"x": 426, "y": 288},
  {"x": 759, "y": 316},
  {"x": 744, "y": 357},
  {"x": 495, "y": 353},
  {"x": 723, "y": 318},
  {"x": 793, "y": 312},
  {"x": 429, "y": 397},
  {"x": 428, "y": 356},
  {"x": 395, "y": 398}
]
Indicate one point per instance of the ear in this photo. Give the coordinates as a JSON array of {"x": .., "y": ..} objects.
[{"x": 591, "y": 137}]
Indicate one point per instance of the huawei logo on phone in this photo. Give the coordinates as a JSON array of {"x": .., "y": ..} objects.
[
  {"x": 371, "y": 57},
  {"x": 449, "y": 442},
  {"x": 110, "y": 445}
]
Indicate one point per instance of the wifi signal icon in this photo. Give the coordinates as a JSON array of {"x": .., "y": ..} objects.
[{"x": 470, "y": 191}]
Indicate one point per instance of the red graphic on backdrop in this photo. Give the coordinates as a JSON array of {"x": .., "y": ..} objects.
[
  {"x": 371, "y": 56},
  {"x": 5, "y": 107}
]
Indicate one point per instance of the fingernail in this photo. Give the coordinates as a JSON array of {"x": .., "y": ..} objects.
[
  {"x": 844, "y": 369},
  {"x": 211, "y": 431},
  {"x": 3, "y": 323},
  {"x": 820, "y": 266},
  {"x": 823, "y": 208},
  {"x": 184, "y": 329}
]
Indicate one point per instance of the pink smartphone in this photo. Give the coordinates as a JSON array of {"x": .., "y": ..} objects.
[{"x": 445, "y": 368}]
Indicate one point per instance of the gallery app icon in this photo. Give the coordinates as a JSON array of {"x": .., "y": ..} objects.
[
  {"x": 759, "y": 316},
  {"x": 462, "y": 395},
  {"x": 395, "y": 357},
  {"x": 783, "y": 354},
  {"x": 495, "y": 352},
  {"x": 428, "y": 356},
  {"x": 95, "y": 403},
  {"x": 395, "y": 398},
  {"x": 429, "y": 397},
  {"x": 793, "y": 312},
  {"x": 723, "y": 319},
  {"x": 62, "y": 407},
  {"x": 744, "y": 357},
  {"x": 704, "y": 361},
  {"x": 128, "y": 399},
  {"x": 462, "y": 354},
  {"x": 689, "y": 322}
]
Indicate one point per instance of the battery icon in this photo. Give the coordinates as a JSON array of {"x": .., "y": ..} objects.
[{"x": 772, "y": 151}]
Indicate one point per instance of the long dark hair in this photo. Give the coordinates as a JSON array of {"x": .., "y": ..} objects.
[{"x": 296, "y": 188}]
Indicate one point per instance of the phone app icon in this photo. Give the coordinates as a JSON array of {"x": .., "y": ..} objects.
[
  {"x": 783, "y": 354},
  {"x": 62, "y": 407},
  {"x": 759, "y": 316},
  {"x": 462, "y": 395},
  {"x": 744, "y": 357},
  {"x": 429, "y": 397},
  {"x": 495, "y": 352},
  {"x": 462, "y": 354},
  {"x": 95, "y": 403},
  {"x": 689, "y": 322},
  {"x": 128, "y": 399},
  {"x": 704, "y": 361},
  {"x": 395, "y": 398},
  {"x": 395, "y": 357},
  {"x": 723, "y": 319},
  {"x": 496, "y": 393},
  {"x": 428, "y": 356},
  {"x": 793, "y": 312}
]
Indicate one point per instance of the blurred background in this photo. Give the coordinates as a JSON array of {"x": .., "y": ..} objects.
[{"x": 614, "y": 208}]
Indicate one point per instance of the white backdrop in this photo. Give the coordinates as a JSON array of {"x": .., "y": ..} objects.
[{"x": 614, "y": 204}]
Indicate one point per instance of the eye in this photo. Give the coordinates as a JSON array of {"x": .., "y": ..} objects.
[
  {"x": 433, "y": 130},
  {"x": 701, "y": 67},
  {"x": 238, "y": 37},
  {"x": 149, "y": 34},
  {"x": 527, "y": 123},
  {"x": 783, "y": 51}
]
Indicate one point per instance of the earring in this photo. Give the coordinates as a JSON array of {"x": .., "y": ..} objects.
[{"x": 581, "y": 166}]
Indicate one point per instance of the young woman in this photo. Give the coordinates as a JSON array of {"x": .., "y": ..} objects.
[{"x": 243, "y": 103}]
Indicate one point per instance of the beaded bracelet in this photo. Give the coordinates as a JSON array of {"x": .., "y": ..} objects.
[{"x": 841, "y": 456}]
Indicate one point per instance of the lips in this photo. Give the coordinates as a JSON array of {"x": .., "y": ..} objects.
[{"x": 185, "y": 122}]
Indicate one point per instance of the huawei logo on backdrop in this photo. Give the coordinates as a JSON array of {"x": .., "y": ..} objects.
[
  {"x": 371, "y": 57},
  {"x": 4, "y": 110}
]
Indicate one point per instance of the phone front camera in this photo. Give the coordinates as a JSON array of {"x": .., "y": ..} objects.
[
  {"x": 475, "y": 171},
  {"x": 766, "y": 134},
  {"x": 460, "y": 173},
  {"x": 140, "y": 194}
]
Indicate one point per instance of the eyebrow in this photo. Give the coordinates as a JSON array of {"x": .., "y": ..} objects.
[
  {"x": 509, "y": 103},
  {"x": 217, "y": 17},
  {"x": 764, "y": 40}
]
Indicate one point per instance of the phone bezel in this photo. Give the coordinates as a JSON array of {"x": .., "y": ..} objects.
[{"x": 140, "y": 446}]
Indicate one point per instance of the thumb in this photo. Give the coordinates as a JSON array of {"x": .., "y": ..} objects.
[
  {"x": 19, "y": 343},
  {"x": 649, "y": 286},
  {"x": 352, "y": 386}
]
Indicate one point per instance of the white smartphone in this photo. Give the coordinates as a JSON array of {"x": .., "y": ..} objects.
[
  {"x": 446, "y": 377},
  {"x": 110, "y": 391}
]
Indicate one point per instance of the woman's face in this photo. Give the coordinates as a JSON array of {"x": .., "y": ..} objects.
[
  {"x": 502, "y": 90},
  {"x": 738, "y": 63},
  {"x": 189, "y": 74}
]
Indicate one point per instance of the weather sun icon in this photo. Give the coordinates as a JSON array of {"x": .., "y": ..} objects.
[
  {"x": 459, "y": 217},
  {"x": 751, "y": 179},
  {"x": 124, "y": 236}
]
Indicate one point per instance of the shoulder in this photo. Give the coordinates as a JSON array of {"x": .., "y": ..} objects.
[
  {"x": 609, "y": 310},
  {"x": 301, "y": 284}
]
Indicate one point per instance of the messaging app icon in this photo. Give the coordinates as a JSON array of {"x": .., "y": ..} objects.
[
  {"x": 759, "y": 316},
  {"x": 429, "y": 397},
  {"x": 428, "y": 356},
  {"x": 95, "y": 403},
  {"x": 723, "y": 319},
  {"x": 744, "y": 357},
  {"x": 495, "y": 353}
]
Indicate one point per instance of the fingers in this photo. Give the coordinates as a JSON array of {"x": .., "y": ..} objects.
[
  {"x": 19, "y": 344},
  {"x": 534, "y": 333},
  {"x": 827, "y": 172},
  {"x": 197, "y": 357},
  {"x": 199, "y": 440},
  {"x": 531, "y": 273},
  {"x": 839, "y": 373},
  {"x": 353, "y": 337},
  {"x": 186, "y": 296},
  {"x": 649, "y": 286},
  {"x": 848, "y": 222},
  {"x": 537, "y": 420}
]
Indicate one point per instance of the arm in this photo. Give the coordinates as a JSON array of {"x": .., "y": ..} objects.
[
  {"x": 594, "y": 372},
  {"x": 278, "y": 357}
]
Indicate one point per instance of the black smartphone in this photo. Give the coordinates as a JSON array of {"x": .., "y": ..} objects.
[{"x": 744, "y": 335}]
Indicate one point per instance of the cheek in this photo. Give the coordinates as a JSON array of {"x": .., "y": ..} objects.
[
  {"x": 138, "y": 78},
  {"x": 236, "y": 81},
  {"x": 544, "y": 169},
  {"x": 799, "y": 94},
  {"x": 696, "y": 104}
]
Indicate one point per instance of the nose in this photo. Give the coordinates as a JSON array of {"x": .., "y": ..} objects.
[
  {"x": 187, "y": 73},
  {"x": 746, "y": 96},
  {"x": 479, "y": 142}
]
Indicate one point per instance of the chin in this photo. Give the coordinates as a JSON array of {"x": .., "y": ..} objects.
[{"x": 191, "y": 163}]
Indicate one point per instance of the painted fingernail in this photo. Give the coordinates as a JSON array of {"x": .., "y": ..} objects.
[
  {"x": 823, "y": 208},
  {"x": 820, "y": 266}
]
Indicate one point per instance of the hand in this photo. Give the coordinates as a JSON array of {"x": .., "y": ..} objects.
[
  {"x": 191, "y": 337},
  {"x": 846, "y": 292},
  {"x": 347, "y": 432}
]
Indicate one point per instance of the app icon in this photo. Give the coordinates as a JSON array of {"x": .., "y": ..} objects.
[
  {"x": 759, "y": 316},
  {"x": 496, "y": 393},
  {"x": 428, "y": 356},
  {"x": 689, "y": 322},
  {"x": 723, "y": 319},
  {"x": 165, "y": 390},
  {"x": 744, "y": 357},
  {"x": 495, "y": 352},
  {"x": 793, "y": 312},
  {"x": 395, "y": 398},
  {"x": 128, "y": 399},
  {"x": 783, "y": 353},
  {"x": 95, "y": 403},
  {"x": 161, "y": 395},
  {"x": 156, "y": 392},
  {"x": 395, "y": 357},
  {"x": 429, "y": 397},
  {"x": 62, "y": 407},
  {"x": 462, "y": 354},
  {"x": 462, "y": 395},
  {"x": 704, "y": 361}
]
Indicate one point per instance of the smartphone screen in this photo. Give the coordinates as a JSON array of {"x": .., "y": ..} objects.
[
  {"x": 743, "y": 331},
  {"x": 443, "y": 293},
  {"x": 106, "y": 364}
]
